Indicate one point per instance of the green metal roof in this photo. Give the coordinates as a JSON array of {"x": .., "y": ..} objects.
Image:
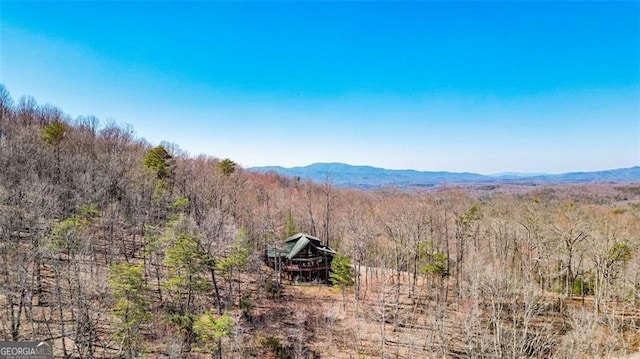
[
  {"x": 301, "y": 243},
  {"x": 294, "y": 244},
  {"x": 299, "y": 235},
  {"x": 280, "y": 249}
]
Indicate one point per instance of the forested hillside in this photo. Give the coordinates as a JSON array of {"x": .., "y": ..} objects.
[
  {"x": 367, "y": 177},
  {"x": 111, "y": 247}
]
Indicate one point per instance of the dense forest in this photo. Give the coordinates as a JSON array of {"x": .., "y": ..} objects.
[{"x": 111, "y": 247}]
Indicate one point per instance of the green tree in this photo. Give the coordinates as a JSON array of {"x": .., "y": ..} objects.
[
  {"x": 289, "y": 226},
  {"x": 237, "y": 258},
  {"x": 65, "y": 235},
  {"x": 185, "y": 264},
  {"x": 54, "y": 133},
  {"x": 436, "y": 265},
  {"x": 157, "y": 160},
  {"x": 227, "y": 167},
  {"x": 433, "y": 263},
  {"x": 341, "y": 276},
  {"x": 607, "y": 267},
  {"x": 467, "y": 228},
  {"x": 209, "y": 328},
  {"x": 69, "y": 237},
  {"x": 126, "y": 283}
]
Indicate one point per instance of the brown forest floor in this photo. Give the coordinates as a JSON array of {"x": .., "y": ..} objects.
[{"x": 321, "y": 323}]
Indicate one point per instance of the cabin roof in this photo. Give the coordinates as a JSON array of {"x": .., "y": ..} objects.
[
  {"x": 294, "y": 244},
  {"x": 298, "y": 236}
]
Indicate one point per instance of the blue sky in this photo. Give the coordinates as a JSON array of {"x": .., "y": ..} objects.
[{"x": 463, "y": 86}]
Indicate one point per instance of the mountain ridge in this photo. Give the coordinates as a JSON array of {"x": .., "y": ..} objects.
[{"x": 365, "y": 176}]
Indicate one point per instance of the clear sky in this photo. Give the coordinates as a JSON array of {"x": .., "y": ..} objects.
[{"x": 464, "y": 86}]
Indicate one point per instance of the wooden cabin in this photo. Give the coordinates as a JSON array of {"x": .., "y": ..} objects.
[{"x": 301, "y": 258}]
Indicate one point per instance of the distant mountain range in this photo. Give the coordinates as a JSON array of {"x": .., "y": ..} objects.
[{"x": 344, "y": 175}]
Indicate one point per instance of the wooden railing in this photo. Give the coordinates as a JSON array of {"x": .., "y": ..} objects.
[{"x": 298, "y": 268}]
